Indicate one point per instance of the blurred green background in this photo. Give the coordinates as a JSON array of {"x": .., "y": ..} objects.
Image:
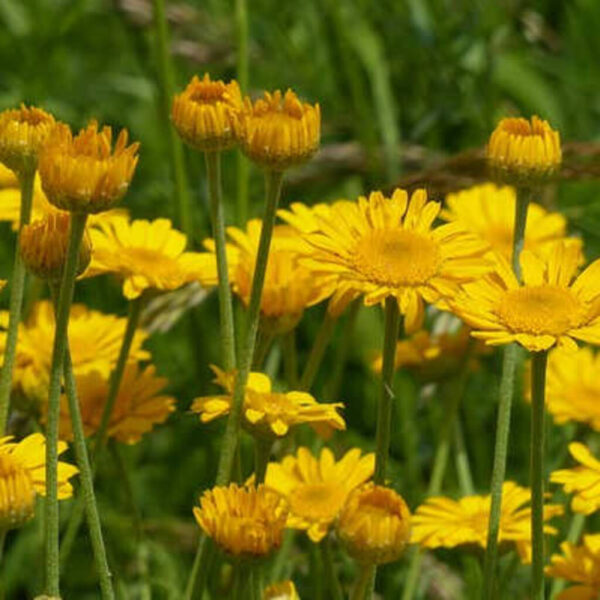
[{"x": 401, "y": 84}]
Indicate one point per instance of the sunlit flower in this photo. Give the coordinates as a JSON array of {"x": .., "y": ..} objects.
[
  {"x": 278, "y": 131},
  {"x": 139, "y": 406},
  {"x": 146, "y": 254},
  {"x": 83, "y": 173},
  {"x": 583, "y": 480},
  {"x": 285, "y": 590},
  {"x": 246, "y": 521},
  {"x": 317, "y": 488},
  {"x": 23, "y": 132},
  {"x": 23, "y": 475},
  {"x": 204, "y": 114},
  {"x": 267, "y": 412},
  {"x": 8, "y": 179},
  {"x": 385, "y": 247},
  {"x": 445, "y": 523},
  {"x": 374, "y": 525},
  {"x": 552, "y": 306},
  {"x": 581, "y": 565}
]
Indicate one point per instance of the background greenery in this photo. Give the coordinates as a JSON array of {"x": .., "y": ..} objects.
[{"x": 401, "y": 84}]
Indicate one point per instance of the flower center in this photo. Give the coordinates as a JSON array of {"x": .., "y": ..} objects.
[
  {"x": 397, "y": 257},
  {"x": 209, "y": 93},
  {"x": 317, "y": 501},
  {"x": 17, "y": 495},
  {"x": 540, "y": 310}
]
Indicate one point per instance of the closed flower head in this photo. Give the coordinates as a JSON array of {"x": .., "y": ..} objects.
[
  {"x": 284, "y": 590},
  {"x": 23, "y": 132},
  {"x": 374, "y": 525},
  {"x": 279, "y": 131},
  {"x": 83, "y": 173}
]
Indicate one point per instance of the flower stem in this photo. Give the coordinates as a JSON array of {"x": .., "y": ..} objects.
[
  {"x": 262, "y": 453},
  {"x": 538, "y": 384},
  {"x": 575, "y": 529},
  {"x": 317, "y": 351},
  {"x": 290, "y": 359},
  {"x": 463, "y": 468},
  {"x": 213, "y": 170},
  {"x": 333, "y": 583},
  {"x": 200, "y": 569},
  {"x": 17, "y": 286},
  {"x": 241, "y": 30},
  {"x": 363, "y": 583},
  {"x": 384, "y": 413},
  {"x": 77, "y": 227}
]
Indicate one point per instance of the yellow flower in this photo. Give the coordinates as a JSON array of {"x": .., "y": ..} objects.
[
  {"x": 8, "y": 179},
  {"x": 374, "y": 525},
  {"x": 139, "y": 406},
  {"x": 522, "y": 151},
  {"x": 267, "y": 412},
  {"x": 147, "y": 254},
  {"x": 23, "y": 475},
  {"x": 380, "y": 247},
  {"x": 43, "y": 246},
  {"x": 83, "y": 173},
  {"x": 278, "y": 132},
  {"x": 550, "y": 307},
  {"x": 204, "y": 114},
  {"x": 245, "y": 522},
  {"x": 285, "y": 590},
  {"x": 489, "y": 212},
  {"x": 445, "y": 523},
  {"x": 583, "y": 480},
  {"x": 23, "y": 132},
  {"x": 317, "y": 488},
  {"x": 581, "y": 565}
]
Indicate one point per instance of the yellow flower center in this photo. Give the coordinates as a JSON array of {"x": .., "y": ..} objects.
[
  {"x": 540, "y": 310},
  {"x": 17, "y": 495},
  {"x": 397, "y": 257},
  {"x": 317, "y": 501},
  {"x": 209, "y": 93}
]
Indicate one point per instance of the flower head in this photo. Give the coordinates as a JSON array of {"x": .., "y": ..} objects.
[
  {"x": 84, "y": 173},
  {"x": 266, "y": 412},
  {"x": 445, "y": 523},
  {"x": 23, "y": 475},
  {"x": 284, "y": 590},
  {"x": 23, "y": 132},
  {"x": 245, "y": 522},
  {"x": 524, "y": 152},
  {"x": 278, "y": 131},
  {"x": 8, "y": 179},
  {"x": 552, "y": 306},
  {"x": 204, "y": 114},
  {"x": 379, "y": 247},
  {"x": 317, "y": 488},
  {"x": 374, "y": 524}
]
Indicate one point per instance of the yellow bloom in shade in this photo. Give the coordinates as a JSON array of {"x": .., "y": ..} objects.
[
  {"x": 383, "y": 247},
  {"x": 267, "y": 412},
  {"x": 140, "y": 404},
  {"x": 285, "y": 590},
  {"x": 23, "y": 475},
  {"x": 278, "y": 131},
  {"x": 579, "y": 564},
  {"x": 23, "y": 132},
  {"x": 522, "y": 151},
  {"x": 583, "y": 481},
  {"x": 445, "y": 523},
  {"x": 83, "y": 173},
  {"x": 245, "y": 522},
  {"x": 204, "y": 114},
  {"x": 317, "y": 488},
  {"x": 552, "y": 306},
  {"x": 489, "y": 212},
  {"x": 8, "y": 179},
  {"x": 374, "y": 525},
  {"x": 148, "y": 255}
]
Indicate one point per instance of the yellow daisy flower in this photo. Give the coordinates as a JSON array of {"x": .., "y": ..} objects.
[
  {"x": 581, "y": 565},
  {"x": 23, "y": 475},
  {"x": 284, "y": 590},
  {"x": 267, "y": 412},
  {"x": 245, "y": 522},
  {"x": 445, "y": 523},
  {"x": 317, "y": 488},
  {"x": 140, "y": 404},
  {"x": 380, "y": 247},
  {"x": 149, "y": 255},
  {"x": 583, "y": 480},
  {"x": 374, "y": 525},
  {"x": 8, "y": 179},
  {"x": 552, "y": 306}
]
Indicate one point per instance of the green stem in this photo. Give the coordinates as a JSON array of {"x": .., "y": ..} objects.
[
  {"x": 538, "y": 384},
  {"x": 213, "y": 170},
  {"x": 577, "y": 526},
  {"x": 17, "y": 285},
  {"x": 363, "y": 583},
  {"x": 282, "y": 557},
  {"x": 263, "y": 345},
  {"x": 200, "y": 569},
  {"x": 262, "y": 453},
  {"x": 333, "y": 583},
  {"x": 317, "y": 351},
  {"x": 384, "y": 413},
  {"x": 77, "y": 228},
  {"x": 290, "y": 359},
  {"x": 521, "y": 206},
  {"x": 241, "y": 29},
  {"x": 463, "y": 468},
  {"x": 243, "y": 581}
]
